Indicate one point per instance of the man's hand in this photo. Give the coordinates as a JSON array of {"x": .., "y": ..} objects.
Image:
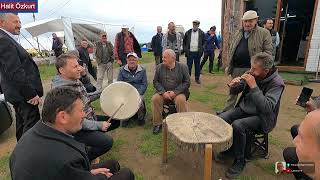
[
  {"x": 166, "y": 95},
  {"x": 103, "y": 171},
  {"x": 172, "y": 94},
  {"x": 119, "y": 61},
  {"x": 235, "y": 82},
  {"x": 251, "y": 81},
  {"x": 35, "y": 100},
  {"x": 105, "y": 126}
]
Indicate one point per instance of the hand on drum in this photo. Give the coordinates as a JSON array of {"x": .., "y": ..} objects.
[{"x": 105, "y": 126}]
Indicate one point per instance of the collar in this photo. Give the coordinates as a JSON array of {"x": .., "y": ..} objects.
[{"x": 15, "y": 37}]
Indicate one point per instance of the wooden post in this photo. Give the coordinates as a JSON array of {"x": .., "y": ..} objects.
[
  {"x": 207, "y": 161},
  {"x": 165, "y": 143}
]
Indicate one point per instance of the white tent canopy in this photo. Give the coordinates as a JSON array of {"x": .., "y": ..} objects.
[{"x": 65, "y": 24}]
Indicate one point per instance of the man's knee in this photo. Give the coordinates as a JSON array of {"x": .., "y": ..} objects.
[
  {"x": 106, "y": 143},
  {"x": 290, "y": 155},
  {"x": 238, "y": 126},
  {"x": 156, "y": 98},
  {"x": 180, "y": 99}
]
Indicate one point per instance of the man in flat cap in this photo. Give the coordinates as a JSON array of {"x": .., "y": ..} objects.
[
  {"x": 193, "y": 43},
  {"x": 246, "y": 42}
]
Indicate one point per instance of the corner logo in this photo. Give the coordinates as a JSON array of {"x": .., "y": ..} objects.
[{"x": 18, "y": 6}]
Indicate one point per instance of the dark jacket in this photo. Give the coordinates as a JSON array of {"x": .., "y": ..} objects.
[
  {"x": 156, "y": 44},
  {"x": 20, "y": 77},
  {"x": 211, "y": 43},
  {"x": 137, "y": 79},
  {"x": 183, "y": 79},
  {"x": 46, "y": 153},
  {"x": 264, "y": 100},
  {"x": 259, "y": 41},
  {"x": 187, "y": 40},
  {"x": 57, "y": 46},
  {"x": 120, "y": 47},
  {"x": 85, "y": 58},
  {"x": 99, "y": 51}
]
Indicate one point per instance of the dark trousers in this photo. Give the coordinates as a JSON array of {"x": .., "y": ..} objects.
[
  {"x": 207, "y": 55},
  {"x": 27, "y": 115},
  {"x": 158, "y": 59},
  {"x": 177, "y": 56},
  {"x": 242, "y": 124},
  {"x": 194, "y": 57},
  {"x": 98, "y": 141},
  {"x": 123, "y": 59},
  {"x": 114, "y": 166},
  {"x": 290, "y": 155}
]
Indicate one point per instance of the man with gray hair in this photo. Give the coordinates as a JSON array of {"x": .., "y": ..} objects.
[
  {"x": 257, "y": 108},
  {"x": 156, "y": 45},
  {"x": 246, "y": 42},
  {"x": 20, "y": 77}
]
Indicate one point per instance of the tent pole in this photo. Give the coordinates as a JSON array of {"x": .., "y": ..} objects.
[{"x": 34, "y": 20}]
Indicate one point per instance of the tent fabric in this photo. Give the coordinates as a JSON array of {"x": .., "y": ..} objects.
[{"x": 43, "y": 26}]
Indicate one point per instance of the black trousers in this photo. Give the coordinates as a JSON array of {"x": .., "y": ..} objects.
[
  {"x": 242, "y": 123},
  {"x": 27, "y": 115},
  {"x": 290, "y": 155},
  {"x": 207, "y": 55},
  {"x": 114, "y": 166},
  {"x": 98, "y": 141}
]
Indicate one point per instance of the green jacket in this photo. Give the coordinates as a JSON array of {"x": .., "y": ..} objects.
[
  {"x": 99, "y": 51},
  {"x": 259, "y": 41}
]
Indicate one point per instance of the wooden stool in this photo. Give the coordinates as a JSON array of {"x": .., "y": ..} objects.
[{"x": 197, "y": 131}]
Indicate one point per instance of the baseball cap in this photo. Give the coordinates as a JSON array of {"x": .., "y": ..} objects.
[{"x": 132, "y": 54}]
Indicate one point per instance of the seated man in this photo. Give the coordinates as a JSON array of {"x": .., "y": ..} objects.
[
  {"x": 136, "y": 75},
  {"x": 307, "y": 144},
  {"x": 257, "y": 109},
  {"x": 85, "y": 79},
  {"x": 172, "y": 82},
  {"x": 93, "y": 127},
  {"x": 289, "y": 153},
  {"x": 49, "y": 151}
]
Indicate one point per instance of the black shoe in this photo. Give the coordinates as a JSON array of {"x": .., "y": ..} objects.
[
  {"x": 219, "y": 112},
  {"x": 141, "y": 122},
  {"x": 236, "y": 169},
  {"x": 198, "y": 81},
  {"x": 125, "y": 123},
  {"x": 157, "y": 129},
  {"x": 211, "y": 72}
]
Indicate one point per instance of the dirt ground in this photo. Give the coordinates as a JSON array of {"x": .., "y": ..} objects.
[{"x": 189, "y": 165}]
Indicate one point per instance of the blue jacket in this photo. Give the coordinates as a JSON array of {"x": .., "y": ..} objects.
[
  {"x": 137, "y": 79},
  {"x": 211, "y": 43}
]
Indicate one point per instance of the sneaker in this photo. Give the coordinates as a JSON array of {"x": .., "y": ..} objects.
[
  {"x": 236, "y": 169},
  {"x": 157, "y": 129},
  {"x": 219, "y": 112},
  {"x": 198, "y": 81}
]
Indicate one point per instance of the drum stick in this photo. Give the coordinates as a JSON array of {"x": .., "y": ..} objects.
[{"x": 115, "y": 112}]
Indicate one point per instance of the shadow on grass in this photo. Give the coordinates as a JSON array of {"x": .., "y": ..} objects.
[{"x": 4, "y": 167}]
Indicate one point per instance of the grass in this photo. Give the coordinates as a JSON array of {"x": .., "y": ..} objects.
[
  {"x": 292, "y": 76},
  {"x": 114, "y": 153},
  {"x": 4, "y": 167},
  {"x": 274, "y": 141},
  {"x": 47, "y": 71},
  {"x": 96, "y": 106},
  {"x": 267, "y": 167},
  {"x": 205, "y": 69},
  {"x": 152, "y": 144},
  {"x": 210, "y": 97}
]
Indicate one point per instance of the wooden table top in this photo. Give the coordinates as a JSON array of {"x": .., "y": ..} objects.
[{"x": 198, "y": 128}]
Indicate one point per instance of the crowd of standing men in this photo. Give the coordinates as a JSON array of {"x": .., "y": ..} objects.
[{"x": 69, "y": 123}]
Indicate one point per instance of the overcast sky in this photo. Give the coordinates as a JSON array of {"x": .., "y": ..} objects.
[{"x": 143, "y": 15}]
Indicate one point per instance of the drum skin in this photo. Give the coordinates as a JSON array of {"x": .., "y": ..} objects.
[{"x": 119, "y": 93}]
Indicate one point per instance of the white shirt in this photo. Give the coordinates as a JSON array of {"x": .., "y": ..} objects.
[
  {"x": 194, "y": 41},
  {"x": 15, "y": 37}
]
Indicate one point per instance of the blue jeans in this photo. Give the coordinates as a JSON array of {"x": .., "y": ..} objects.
[{"x": 194, "y": 57}]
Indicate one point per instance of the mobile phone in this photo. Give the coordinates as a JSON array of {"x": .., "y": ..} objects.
[{"x": 304, "y": 96}]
